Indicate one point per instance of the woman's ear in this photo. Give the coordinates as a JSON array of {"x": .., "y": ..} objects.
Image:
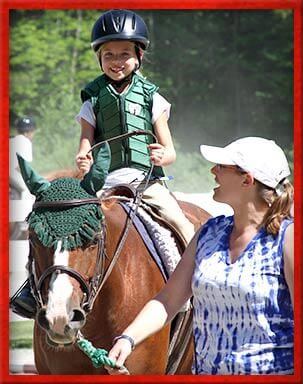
[{"x": 248, "y": 180}]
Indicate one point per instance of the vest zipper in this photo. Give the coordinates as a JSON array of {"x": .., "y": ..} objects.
[{"x": 125, "y": 142}]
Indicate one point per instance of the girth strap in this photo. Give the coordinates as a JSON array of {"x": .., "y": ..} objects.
[{"x": 182, "y": 336}]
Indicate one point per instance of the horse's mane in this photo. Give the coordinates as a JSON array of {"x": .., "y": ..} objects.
[{"x": 59, "y": 174}]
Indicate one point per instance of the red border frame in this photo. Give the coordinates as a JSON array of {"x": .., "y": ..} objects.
[{"x": 6, "y": 5}]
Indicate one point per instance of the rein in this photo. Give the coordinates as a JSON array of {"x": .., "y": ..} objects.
[
  {"x": 100, "y": 277},
  {"x": 65, "y": 203},
  {"x": 132, "y": 214},
  {"x": 137, "y": 132},
  {"x": 119, "y": 248},
  {"x": 98, "y": 356}
]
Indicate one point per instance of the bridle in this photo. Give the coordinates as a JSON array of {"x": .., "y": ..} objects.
[{"x": 90, "y": 288}]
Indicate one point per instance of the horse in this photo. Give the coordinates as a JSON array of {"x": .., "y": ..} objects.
[{"x": 93, "y": 280}]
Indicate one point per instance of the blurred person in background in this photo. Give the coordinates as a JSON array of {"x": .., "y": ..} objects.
[{"x": 21, "y": 144}]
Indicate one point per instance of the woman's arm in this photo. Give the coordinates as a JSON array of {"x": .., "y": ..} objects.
[
  {"x": 160, "y": 310},
  {"x": 288, "y": 253}
]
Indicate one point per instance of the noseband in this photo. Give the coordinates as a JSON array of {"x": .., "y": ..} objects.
[{"x": 89, "y": 289}]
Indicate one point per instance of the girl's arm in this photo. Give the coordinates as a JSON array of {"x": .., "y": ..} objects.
[
  {"x": 288, "y": 253},
  {"x": 162, "y": 153},
  {"x": 160, "y": 310},
  {"x": 83, "y": 160}
]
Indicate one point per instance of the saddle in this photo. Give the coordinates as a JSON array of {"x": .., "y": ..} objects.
[
  {"x": 121, "y": 190},
  {"x": 129, "y": 192}
]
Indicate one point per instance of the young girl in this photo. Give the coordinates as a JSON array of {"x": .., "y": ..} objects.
[{"x": 120, "y": 101}]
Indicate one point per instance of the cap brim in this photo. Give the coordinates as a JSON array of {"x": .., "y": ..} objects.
[{"x": 216, "y": 155}]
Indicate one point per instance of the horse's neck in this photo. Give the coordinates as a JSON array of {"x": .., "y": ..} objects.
[
  {"x": 134, "y": 279},
  {"x": 194, "y": 213},
  {"x": 72, "y": 173}
]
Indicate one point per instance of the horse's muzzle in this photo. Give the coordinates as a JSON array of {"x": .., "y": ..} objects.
[{"x": 69, "y": 329}]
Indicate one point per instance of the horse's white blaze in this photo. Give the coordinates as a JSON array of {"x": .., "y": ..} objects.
[{"x": 60, "y": 292}]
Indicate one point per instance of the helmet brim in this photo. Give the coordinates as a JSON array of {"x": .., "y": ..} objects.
[{"x": 95, "y": 45}]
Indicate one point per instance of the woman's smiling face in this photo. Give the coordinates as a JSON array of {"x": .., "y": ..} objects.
[{"x": 229, "y": 179}]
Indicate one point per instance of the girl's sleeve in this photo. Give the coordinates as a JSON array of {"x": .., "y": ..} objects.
[
  {"x": 87, "y": 113},
  {"x": 160, "y": 105}
]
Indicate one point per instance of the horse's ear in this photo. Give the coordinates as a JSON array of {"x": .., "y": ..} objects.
[
  {"x": 94, "y": 180},
  {"x": 34, "y": 182}
]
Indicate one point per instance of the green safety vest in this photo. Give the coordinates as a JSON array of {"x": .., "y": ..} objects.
[{"x": 117, "y": 114}]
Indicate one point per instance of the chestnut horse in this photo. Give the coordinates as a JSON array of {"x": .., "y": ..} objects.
[{"x": 95, "y": 287}]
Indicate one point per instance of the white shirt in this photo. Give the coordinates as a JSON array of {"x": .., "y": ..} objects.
[
  {"x": 160, "y": 105},
  {"x": 23, "y": 146}
]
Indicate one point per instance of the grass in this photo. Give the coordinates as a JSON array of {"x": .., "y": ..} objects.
[{"x": 21, "y": 334}]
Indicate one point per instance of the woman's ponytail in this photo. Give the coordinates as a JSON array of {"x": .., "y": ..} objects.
[{"x": 280, "y": 202}]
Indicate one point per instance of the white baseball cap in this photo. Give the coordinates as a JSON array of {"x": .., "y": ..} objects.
[{"x": 263, "y": 158}]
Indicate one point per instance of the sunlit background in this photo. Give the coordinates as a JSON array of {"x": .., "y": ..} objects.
[{"x": 227, "y": 74}]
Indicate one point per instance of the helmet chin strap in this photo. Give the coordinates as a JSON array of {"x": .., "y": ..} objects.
[{"x": 119, "y": 83}]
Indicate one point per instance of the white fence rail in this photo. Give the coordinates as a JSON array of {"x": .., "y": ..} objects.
[{"x": 18, "y": 249}]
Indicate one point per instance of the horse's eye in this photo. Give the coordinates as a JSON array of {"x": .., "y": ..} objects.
[{"x": 92, "y": 243}]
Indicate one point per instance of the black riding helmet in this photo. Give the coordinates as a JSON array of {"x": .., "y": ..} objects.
[
  {"x": 119, "y": 24},
  {"x": 25, "y": 124}
]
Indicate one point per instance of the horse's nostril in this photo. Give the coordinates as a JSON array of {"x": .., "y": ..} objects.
[
  {"x": 78, "y": 315},
  {"x": 42, "y": 320},
  {"x": 78, "y": 319}
]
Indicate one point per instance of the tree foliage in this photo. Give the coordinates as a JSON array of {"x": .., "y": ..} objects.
[{"x": 227, "y": 74}]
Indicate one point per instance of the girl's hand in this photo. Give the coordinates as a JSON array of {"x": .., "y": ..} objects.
[
  {"x": 157, "y": 153},
  {"x": 84, "y": 161},
  {"x": 119, "y": 353}
]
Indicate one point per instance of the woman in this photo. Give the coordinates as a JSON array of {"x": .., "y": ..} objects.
[{"x": 238, "y": 269}]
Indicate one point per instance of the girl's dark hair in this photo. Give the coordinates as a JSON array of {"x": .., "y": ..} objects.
[{"x": 280, "y": 202}]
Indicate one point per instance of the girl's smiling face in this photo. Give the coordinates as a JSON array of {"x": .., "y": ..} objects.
[{"x": 118, "y": 59}]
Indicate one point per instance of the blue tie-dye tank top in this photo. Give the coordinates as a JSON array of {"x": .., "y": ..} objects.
[{"x": 243, "y": 317}]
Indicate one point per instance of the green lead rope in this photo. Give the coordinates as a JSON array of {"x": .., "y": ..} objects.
[{"x": 98, "y": 356}]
